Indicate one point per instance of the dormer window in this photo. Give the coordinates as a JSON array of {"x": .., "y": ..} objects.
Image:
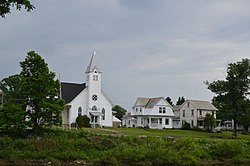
[
  {"x": 95, "y": 71},
  {"x": 160, "y": 109},
  {"x": 164, "y": 110}
]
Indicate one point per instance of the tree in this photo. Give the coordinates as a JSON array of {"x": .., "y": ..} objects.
[
  {"x": 5, "y": 6},
  {"x": 244, "y": 119},
  {"x": 180, "y": 101},
  {"x": 12, "y": 119},
  {"x": 169, "y": 101},
  {"x": 119, "y": 111},
  {"x": 231, "y": 93},
  {"x": 40, "y": 92},
  {"x": 12, "y": 89},
  {"x": 209, "y": 122}
]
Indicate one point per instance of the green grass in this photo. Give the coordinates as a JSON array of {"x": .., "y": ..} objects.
[
  {"x": 166, "y": 133},
  {"x": 125, "y": 146}
]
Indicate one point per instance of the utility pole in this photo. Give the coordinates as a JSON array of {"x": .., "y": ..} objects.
[{"x": 1, "y": 93}]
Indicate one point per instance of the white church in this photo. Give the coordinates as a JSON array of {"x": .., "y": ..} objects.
[{"x": 87, "y": 99}]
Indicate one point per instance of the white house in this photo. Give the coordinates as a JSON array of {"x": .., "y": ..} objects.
[
  {"x": 87, "y": 99},
  {"x": 194, "y": 112},
  {"x": 154, "y": 113}
]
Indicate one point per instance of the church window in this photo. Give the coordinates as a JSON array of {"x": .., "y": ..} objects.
[
  {"x": 80, "y": 111},
  {"x": 94, "y": 108},
  {"x": 103, "y": 114},
  {"x": 95, "y": 77},
  {"x": 94, "y": 97}
]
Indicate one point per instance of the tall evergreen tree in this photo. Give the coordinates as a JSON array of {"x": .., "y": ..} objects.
[
  {"x": 41, "y": 92},
  {"x": 169, "y": 100},
  {"x": 180, "y": 100},
  {"x": 231, "y": 94}
]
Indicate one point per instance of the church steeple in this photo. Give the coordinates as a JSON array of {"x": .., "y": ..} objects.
[{"x": 93, "y": 64}]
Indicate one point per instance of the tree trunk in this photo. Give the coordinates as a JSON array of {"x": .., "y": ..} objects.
[{"x": 235, "y": 129}]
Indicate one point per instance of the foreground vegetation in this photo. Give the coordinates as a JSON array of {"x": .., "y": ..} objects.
[{"x": 129, "y": 149}]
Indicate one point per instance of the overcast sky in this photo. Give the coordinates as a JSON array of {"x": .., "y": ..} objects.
[{"x": 145, "y": 48}]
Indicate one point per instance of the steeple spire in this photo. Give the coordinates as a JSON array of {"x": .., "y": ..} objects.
[{"x": 93, "y": 64}]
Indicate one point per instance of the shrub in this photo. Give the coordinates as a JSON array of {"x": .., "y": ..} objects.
[{"x": 186, "y": 126}]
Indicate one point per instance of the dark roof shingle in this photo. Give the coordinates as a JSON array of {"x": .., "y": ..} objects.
[{"x": 70, "y": 90}]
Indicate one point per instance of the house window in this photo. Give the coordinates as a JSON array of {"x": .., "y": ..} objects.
[
  {"x": 200, "y": 112},
  {"x": 166, "y": 121},
  {"x": 213, "y": 113},
  {"x": 160, "y": 121},
  {"x": 192, "y": 123},
  {"x": 188, "y": 104},
  {"x": 79, "y": 111},
  {"x": 160, "y": 109},
  {"x": 183, "y": 114},
  {"x": 136, "y": 109},
  {"x": 164, "y": 110},
  {"x": 192, "y": 112},
  {"x": 94, "y": 108},
  {"x": 140, "y": 110},
  {"x": 103, "y": 114}
]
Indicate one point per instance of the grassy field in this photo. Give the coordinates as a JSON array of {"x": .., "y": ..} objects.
[
  {"x": 166, "y": 133},
  {"x": 124, "y": 146}
]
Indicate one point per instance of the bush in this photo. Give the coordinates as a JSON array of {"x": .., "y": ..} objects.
[
  {"x": 185, "y": 126},
  {"x": 83, "y": 121}
]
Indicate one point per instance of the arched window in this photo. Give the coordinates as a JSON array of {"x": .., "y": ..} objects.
[
  {"x": 94, "y": 108},
  {"x": 103, "y": 114},
  {"x": 80, "y": 111}
]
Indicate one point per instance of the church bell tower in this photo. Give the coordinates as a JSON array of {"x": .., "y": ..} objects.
[{"x": 93, "y": 83}]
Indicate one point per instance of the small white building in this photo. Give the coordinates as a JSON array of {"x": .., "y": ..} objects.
[
  {"x": 87, "y": 99},
  {"x": 154, "y": 113},
  {"x": 193, "y": 112}
]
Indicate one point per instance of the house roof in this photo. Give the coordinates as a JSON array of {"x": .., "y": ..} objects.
[
  {"x": 202, "y": 105},
  {"x": 147, "y": 102},
  {"x": 176, "y": 107},
  {"x": 115, "y": 119},
  {"x": 70, "y": 90}
]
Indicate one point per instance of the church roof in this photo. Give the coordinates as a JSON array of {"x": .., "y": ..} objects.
[
  {"x": 93, "y": 64},
  {"x": 70, "y": 90}
]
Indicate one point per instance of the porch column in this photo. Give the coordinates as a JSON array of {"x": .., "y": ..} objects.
[{"x": 149, "y": 124}]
